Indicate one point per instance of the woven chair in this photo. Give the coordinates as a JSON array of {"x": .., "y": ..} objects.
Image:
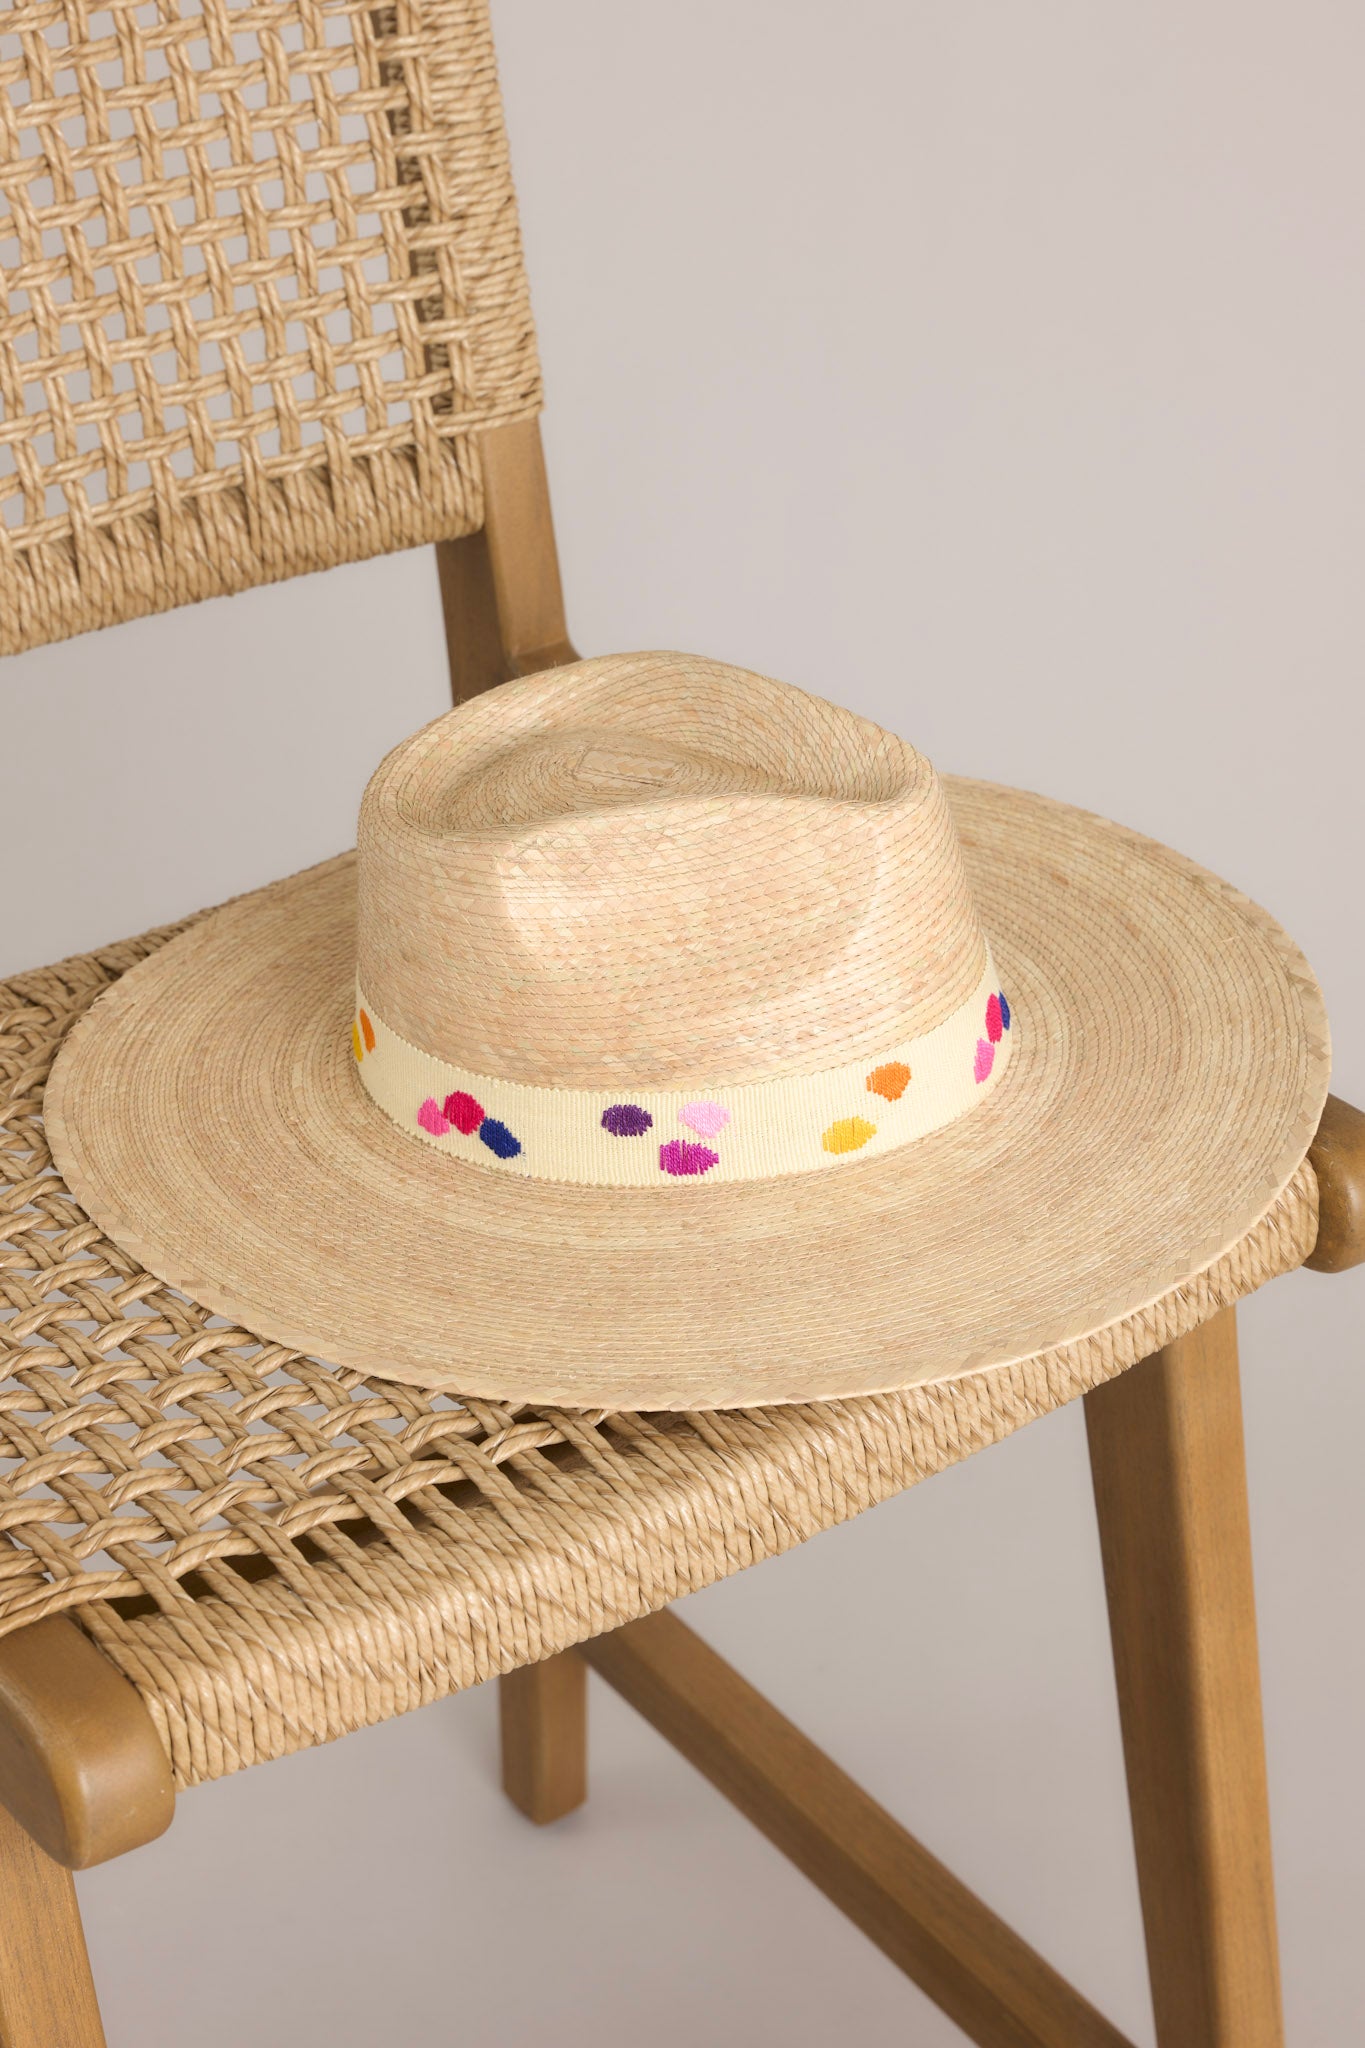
[{"x": 265, "y": 312}]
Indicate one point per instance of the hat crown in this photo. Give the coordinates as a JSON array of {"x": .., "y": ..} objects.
[{"x": 659, "y": 871}]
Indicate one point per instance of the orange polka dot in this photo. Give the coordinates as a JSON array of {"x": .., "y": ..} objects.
[
  {"x": 368, "y": 1030},
  {"x": 891, "y": 1080},
  {"x": 850, "y": 1134}
]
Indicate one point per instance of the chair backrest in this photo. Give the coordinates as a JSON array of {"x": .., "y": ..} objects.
[{"x": 263, "y": 289}]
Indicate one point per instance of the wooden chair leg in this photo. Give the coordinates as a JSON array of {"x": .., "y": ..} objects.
[
  {"x": 47, "y": 1995},
  {"x": 1000, "y": 1992},
  {"x": 543, "y": 1710},
  {"x": 1166, "y": 1455}
]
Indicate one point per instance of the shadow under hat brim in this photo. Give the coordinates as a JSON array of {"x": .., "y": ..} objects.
[{"x": 1169, "y": 1065}]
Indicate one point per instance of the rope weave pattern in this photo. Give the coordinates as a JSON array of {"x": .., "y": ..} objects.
[
  {"x": 262, "y": 281},
  {"x": 276, "y": 1553}
]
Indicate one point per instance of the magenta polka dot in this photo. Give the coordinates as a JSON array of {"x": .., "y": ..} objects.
[
  {"x": 995, "y": 1022},
  {"x": 677, "y": 1156},
  {"x": 463, "y": 1111}
]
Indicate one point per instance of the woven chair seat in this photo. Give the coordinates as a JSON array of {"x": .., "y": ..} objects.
[{"x": 276, "y": 1552}]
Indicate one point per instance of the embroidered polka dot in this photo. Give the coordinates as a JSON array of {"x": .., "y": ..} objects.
[
  {"x": 463, "y": 1111},
  {"x": 432, "y": 1119},
  {"x": 367, "y": 1032},
  {"x": 678, "y": 1157},
  {"x": 890, "y": 1081},
  {"x": 356, "y": 1047},
  {"x": 849, "y": 1134},
  {"x": 985, "y": 1059},
  {"x": 1004, "y": 1010},
  {"x": 626, "y": 1120},
  {"x": 498, "y": 1138},
  {"x": 705, "y": 1118}
]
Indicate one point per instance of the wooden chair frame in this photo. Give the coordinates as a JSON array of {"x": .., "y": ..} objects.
[{"x": 84, "y": 1776}]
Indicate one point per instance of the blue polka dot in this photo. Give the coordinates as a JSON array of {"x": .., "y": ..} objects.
[
  {"x": 1004, "y": 1010},
  {"x": 498, "y": 1138}
]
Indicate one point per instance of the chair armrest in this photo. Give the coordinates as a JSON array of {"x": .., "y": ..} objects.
[
  {"x": 1337, "y": 1156},
  {"x": 82, "y": 1767}
]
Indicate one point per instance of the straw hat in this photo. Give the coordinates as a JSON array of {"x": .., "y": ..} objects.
[{"x": 676, "y": 1039}]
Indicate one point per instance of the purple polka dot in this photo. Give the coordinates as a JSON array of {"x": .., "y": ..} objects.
[
  {"x": 677, "y": 1156},
  {"x": 626, "y": 1120}
]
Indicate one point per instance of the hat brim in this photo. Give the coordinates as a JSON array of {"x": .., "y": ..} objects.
[{"x": 1170, "y": 1065}]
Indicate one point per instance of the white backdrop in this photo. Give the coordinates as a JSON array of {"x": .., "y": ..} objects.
[{"x": 997, "y": 371}]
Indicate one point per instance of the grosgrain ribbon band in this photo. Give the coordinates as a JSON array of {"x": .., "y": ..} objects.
[{"x": 755, "y": 1130}]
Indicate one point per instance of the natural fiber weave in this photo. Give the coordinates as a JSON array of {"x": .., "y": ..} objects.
[
  {"x": 1168, "y": 1062},
  {"x": 263, "y": 283},
  {"x": 276, "y": 1553}
]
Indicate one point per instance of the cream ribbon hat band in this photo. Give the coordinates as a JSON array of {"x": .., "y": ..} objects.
[{"x": 791, "y": 1123}]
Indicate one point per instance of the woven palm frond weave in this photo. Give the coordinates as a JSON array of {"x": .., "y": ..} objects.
[
  {"x": 276, "y": 1552},
  {"x": 262, "y": 283}
]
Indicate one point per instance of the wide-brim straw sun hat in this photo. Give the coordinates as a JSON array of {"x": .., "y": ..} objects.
[{"x": 675, "y": 1039}]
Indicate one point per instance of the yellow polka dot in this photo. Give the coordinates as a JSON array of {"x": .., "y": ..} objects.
[
  {"x": 356, "y": 1046},
  {"x": 849, "y": 1134}
]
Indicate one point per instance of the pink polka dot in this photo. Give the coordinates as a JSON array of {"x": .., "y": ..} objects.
[
  {"x": 985, "y": 1058},
  {"x": 705, "y": 1118},
  {"x": 430, "y": 1118},
  {"x": 995, "y": 1023}
]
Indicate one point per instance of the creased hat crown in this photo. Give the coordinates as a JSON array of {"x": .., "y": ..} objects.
[{"x": 659, "y": 870}]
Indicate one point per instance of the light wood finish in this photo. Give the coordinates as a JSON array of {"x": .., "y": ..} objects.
[
  {"x": 998, "y": 1990},
  {"x": 1170, "y": 1492},
  {"x": 474, "y": 644},
  {"x": 82, "y": 1768},
  {"x": 47, "y": 1998},
  {"x": 1338, "y": 1159},
  {"x": 500, "y": 587},
  {"x": 544, "y": 1723},
  {"x": 521, "y": 547}
]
